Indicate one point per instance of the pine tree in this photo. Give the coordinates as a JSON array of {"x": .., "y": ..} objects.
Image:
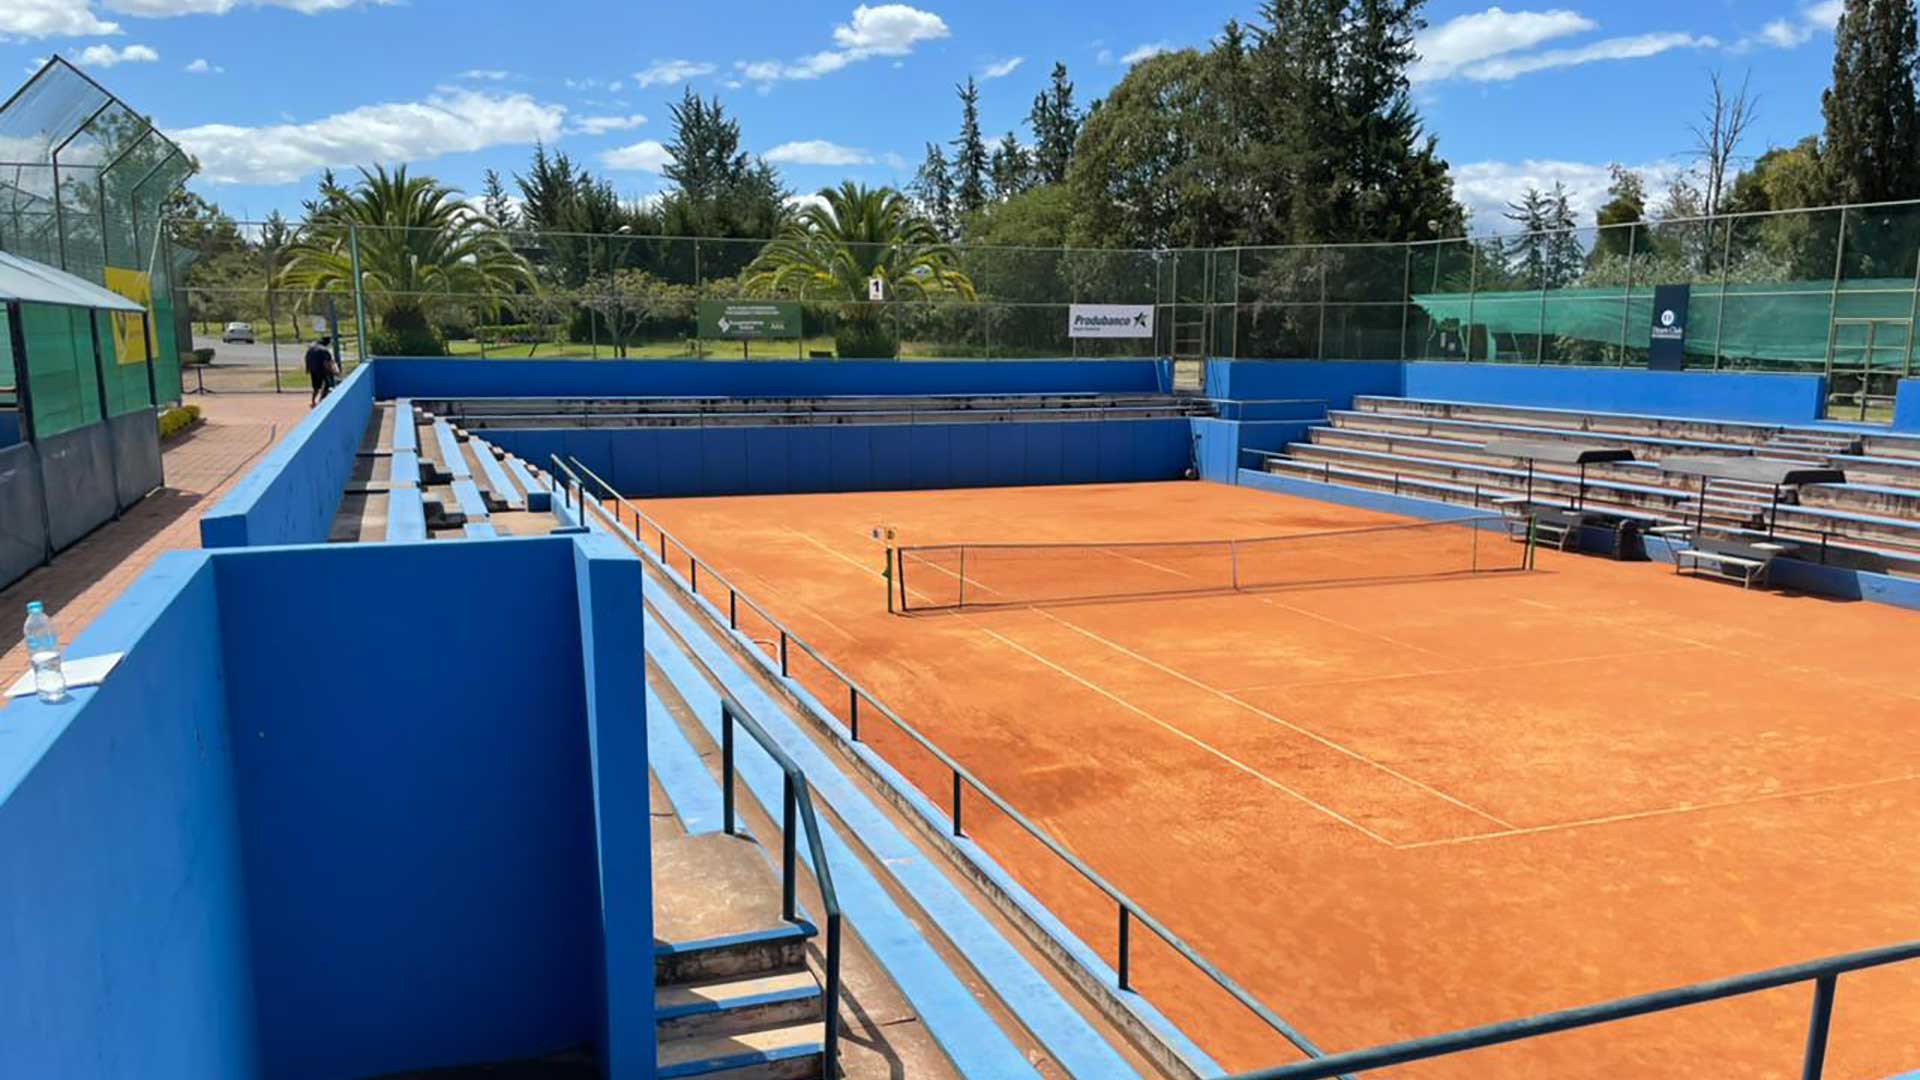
[
  {"x": 1564, "y": 257},
  {"x": 1872, "y": 146},
  {"x": 494, "y": 201},
  {"x": 1056, "y": 124},
  {"x": 707, "y": 159},
  {"x": 932, "y": 189},
  {"x": 970, "y": 162},
  {"x": 1526, "y": 252},
  {"x": 1011, "y": 170}
]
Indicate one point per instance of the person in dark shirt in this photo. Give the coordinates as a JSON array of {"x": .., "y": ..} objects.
[{"x": 320, "y": 369}]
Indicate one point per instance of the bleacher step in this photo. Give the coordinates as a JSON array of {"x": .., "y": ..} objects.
[
  {"x": 754, "y": 952},
  {"x": 732, "y": 1006},
  {"x": 785, "y": 1053}
]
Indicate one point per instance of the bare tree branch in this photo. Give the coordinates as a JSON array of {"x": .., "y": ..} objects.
[{"x": 1716, "y": 137}]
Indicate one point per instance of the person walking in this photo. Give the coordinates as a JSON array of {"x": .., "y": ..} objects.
[{"x": 320, "y": 369}]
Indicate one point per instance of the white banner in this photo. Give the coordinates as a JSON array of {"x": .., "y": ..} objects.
[{"x": 1110, "y": 321}]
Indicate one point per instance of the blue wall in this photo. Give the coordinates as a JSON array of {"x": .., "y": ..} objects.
[
  {"x": 1334, "y": 381},
  {"x": 760, "y": 378},
  {"x": 1785, "y": 399},
  {"x": 308, "y": 829},
  {"x": 291, "y": 496},
  {"x": 666, "y": 462},
  {"x": 123, "y": 926},
  {"x": 9, "y": 426},
  {"x": 418, "y": 835},
  {"x": 1906, "y": 406}
]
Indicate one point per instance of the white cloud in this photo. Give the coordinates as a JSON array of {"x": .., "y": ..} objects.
[
  {"x": 164, "y": 8},
  {"x": 1482, "y": 35},
  {"x": 201, "y": 67},
  {"x": 52, "y": 18},
  {"x": 106, "y": 56},
  {"x": 670, "y": 72},
  {"x": 801, "y": 202},
  {"x": 647, "y": 155},
  {"x": 486, "y": 74},
  {"x": 600, "y": 125},
  {"x": 1637, "y": 47},
  {"x": 1002, "y": 68},
  {"x": 817, "y": 152},
  {"x": 886, "y": 30},
  {"x": 447, "y": 123},
  {"x": 1486, "y": 187},
  {"x": 1797, "y": 30},
  {"x": 893, "y": 161},
  {"x": 1104, "y": 56},
  {"x": 1145, "y": 52}
]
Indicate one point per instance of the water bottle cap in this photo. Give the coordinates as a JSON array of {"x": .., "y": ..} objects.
[{"x": 34, "y": 607}]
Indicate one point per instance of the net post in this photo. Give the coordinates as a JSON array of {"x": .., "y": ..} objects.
[
  {"x": 1233, "y": 559},
  {"x": 962, "y": 600},
  {"x": 1533, "y": 523},
  {"x": 887, "y": 576},
  {"x": 1476, "y": 544}
]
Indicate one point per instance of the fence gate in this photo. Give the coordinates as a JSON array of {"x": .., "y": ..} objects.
[
  {"x": 1866, "y": 359},
  {"x": 1185, "y": 287}
]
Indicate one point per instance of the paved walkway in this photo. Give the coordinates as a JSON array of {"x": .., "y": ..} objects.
[{"x": 200, "y": 465}]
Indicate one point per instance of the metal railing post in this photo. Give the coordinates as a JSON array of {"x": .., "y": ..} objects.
[
  {"x": 1817, "y": 1027},
  {"x": 853, "y": 711},
  {"x": 957, "y": 830},
  {"x": 788, "y": 854},
  {"x": 726, "y": 771},
  {"x": 733, "y": 608},
  {"x": 1125, "y": 952},
  {"x": 783, "y": 653}
]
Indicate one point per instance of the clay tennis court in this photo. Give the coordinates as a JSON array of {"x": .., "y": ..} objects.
[{"x": 1396, "y": 806}]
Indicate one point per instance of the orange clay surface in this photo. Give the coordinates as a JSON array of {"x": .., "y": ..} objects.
[{"x": 1394, "y": 809}]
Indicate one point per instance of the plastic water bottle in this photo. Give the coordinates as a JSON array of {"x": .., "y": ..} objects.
[{"x": 43, "y": 649}]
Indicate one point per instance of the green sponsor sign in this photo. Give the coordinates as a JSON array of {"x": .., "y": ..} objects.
[{"x": 743, "y": 320}]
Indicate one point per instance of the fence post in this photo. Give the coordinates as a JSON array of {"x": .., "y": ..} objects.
[
  {"x": 1817, "y": 1025},
  {"x": 359, "y": 295},
  {"x": 726, "y": 769}
]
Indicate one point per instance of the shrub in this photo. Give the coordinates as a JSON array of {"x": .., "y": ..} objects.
[
  {"x": 197, "y": 356},
  {"x": 175, "y": 420},
  {"x": 864, "y": 339}
]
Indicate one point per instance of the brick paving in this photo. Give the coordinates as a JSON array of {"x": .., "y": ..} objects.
[{"x": 200, "y": 466}]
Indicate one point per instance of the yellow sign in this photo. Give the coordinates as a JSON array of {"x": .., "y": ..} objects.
[{"x": 129, "y": 337}]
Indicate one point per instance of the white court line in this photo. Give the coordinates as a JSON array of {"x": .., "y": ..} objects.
[
  {"x": 1281, "y": 721},
  {"x": 1670, "y": 811},
  {"x": 1201, "y": 743}
]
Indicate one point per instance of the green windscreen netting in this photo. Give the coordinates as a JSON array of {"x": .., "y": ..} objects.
[{"x": 64, "y": 390}]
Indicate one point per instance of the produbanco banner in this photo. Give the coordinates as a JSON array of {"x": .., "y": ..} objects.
[
  {"x": 1110, "y": 321},
  {"x": 741, "y": 320}
]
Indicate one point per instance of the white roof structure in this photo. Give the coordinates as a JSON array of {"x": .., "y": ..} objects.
[{"x": 30, "y": 282}]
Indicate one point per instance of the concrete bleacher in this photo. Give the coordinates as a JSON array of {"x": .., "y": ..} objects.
[
  {"x": 533, "y": 413},
  {"x": 1439, "y": 450},
  {"x": 448, "y": 484}
]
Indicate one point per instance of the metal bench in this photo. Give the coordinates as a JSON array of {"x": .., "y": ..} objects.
[{"x": 1729, "y": 560}]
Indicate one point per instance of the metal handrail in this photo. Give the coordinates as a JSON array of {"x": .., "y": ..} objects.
[
  {"x": 1824, "y": 974},
  {"x": 1129, "y": 912},
  {"x": 796, "y": 800}
]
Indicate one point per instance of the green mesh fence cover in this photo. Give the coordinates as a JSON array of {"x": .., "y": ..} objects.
[{"x": 63, "y": 388}]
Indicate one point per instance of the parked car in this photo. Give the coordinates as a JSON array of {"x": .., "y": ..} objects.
[{"x": 237, "y": 331}]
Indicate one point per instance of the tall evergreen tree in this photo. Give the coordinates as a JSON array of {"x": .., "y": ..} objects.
[
  {"x": 494, "y": 201},
  {"x": 1526, "y": 250},
  {"x": 1012, "y": 169},
  {"x": 1055, "y": 121},
  {"x": 971, "y": 165},
  {"x": 1626, "y": 206},
  {"x": 1564, "y": 256},
  {"x": 932, "y": 191},
  {"x": 1872, "y": 146}
]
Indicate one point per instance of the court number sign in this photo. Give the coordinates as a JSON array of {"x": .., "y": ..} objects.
[
  {"x": 1110, "y": 321},
  {"x": 743, "y": 320}
]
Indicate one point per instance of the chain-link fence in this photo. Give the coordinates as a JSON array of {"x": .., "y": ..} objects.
[{"x": 1828, "y": 290}]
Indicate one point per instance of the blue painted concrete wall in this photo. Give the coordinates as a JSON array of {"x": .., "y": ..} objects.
[
  {"x": 1787, "y": 399},
  {"x": 1906, "y": 406},
  {"x": 666, "y": 462},
  {"x": 1335, "y": 381},
  {"x": 123, "y": 925},
  {"x": 418, "y": 834},
  {"x": 760, "y": 378},
  {"x": 9, "y": 427},
  {"x": 291, "y": 496}
]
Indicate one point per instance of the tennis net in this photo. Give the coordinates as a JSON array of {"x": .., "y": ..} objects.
[{"x": 952, "y": 576}]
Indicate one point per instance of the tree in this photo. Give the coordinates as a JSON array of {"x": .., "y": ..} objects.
[
  {"x": 1716, "y": 139},
  {"x": 970, "y": 163},
  {"x": 1011, "y": 171},
  {"x": 1625, "y": 207},
  {"x": 1526, "y": 251},
  {"x": 932, "y": 191},
  {"x": 416, "y": 240},
  {"x": 719, "y": 189},
  {"x": 832, "y": 248},
  {"x": 1783, "y": 178},
  {"x": 1056, "y": 124},
  {"x": 495, "y": 203},
  {"x": 1872, "y": 144}
]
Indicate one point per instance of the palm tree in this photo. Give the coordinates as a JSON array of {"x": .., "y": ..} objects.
[
  {"x": 418, "y": 243},
  {"x": 848, "y": 237}
]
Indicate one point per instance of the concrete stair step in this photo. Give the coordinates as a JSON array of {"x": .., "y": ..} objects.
[
  {"x": 733, "y": 1006},
  {"x": 757, "y": 952},
  {"x": 793, "y": 1052}
]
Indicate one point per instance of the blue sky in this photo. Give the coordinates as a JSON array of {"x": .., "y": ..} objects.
[{"x": 266, "y": 92}]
